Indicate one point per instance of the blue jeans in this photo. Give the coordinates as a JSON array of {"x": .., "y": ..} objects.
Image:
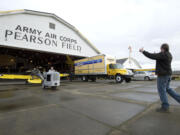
[{"x": 163, "y": 85}]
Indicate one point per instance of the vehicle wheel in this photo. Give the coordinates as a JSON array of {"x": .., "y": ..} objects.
[
  {"x": 53, "y": 87},
  {"x": 84, "y": 78},
  {"x": 119, "y": 79},
  {"x": 146, "y": 78},
  {"x": 44, "y": 87},
  {"x": 93, "y": 79},
  {"x": 128, "y": 80}
]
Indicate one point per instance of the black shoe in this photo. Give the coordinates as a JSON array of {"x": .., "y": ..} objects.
[{"x": 163, "y": 110}]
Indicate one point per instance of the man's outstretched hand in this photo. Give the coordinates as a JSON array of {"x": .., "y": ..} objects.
[{"x": 141, "y": 50}]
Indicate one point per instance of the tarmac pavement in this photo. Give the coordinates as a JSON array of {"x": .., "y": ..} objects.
[{"x": 86, "y": 108}]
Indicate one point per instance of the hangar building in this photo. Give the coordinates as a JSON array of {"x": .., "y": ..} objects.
[{"x": 32, "y": 38}]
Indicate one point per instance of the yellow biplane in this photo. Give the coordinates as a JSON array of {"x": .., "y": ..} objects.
[
  {"x": 149, "y": 70},
  {"x": 29, "y": 78}
]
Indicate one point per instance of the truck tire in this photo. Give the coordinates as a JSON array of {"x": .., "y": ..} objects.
[
  {"x": 93, "y": 79},
  {"x": 119, "y": 79},
  {"x": 128, "y": 80}
]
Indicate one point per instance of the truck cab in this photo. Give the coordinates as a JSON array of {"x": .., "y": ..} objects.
[{"x": 119, "y": 72}]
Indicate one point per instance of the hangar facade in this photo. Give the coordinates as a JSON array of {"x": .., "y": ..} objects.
[{"x": 32, "y": 38}]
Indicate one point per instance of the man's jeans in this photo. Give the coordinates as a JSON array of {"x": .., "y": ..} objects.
[{"x": 163, "y": 85}]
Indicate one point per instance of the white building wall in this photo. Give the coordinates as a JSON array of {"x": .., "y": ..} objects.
[
  {"x": 130, "y": 65},
  {"x": 13, "y": 35}
]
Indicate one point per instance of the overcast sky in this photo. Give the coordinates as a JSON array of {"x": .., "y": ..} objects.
[{"x": 113, "y": 25}]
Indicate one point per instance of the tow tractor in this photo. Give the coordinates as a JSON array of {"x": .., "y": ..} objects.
[{"x": 51, "y": 79}]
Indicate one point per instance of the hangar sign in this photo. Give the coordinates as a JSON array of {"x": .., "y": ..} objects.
[
  {"x": 36, "y": 36},
  {"x": 43, "y": 32}
]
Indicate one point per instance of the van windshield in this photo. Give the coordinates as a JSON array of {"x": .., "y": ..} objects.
[{"x": 115, "y": 66}]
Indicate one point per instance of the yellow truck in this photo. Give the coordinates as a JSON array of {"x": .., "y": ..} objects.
[{"x": 101, "y": 66}]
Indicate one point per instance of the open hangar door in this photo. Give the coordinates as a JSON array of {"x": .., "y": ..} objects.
[{"x": 22, "y": 61}]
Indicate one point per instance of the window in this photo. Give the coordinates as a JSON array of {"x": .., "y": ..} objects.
[
  {"x": 141, "y": 72},
  {"x": 48, "y": 78},
  {"x": 110, "y": 66},
  {"x": 137, "y": 72},
  {"x": 52, "y": 26},
  {"x": 115, "y": 66}
]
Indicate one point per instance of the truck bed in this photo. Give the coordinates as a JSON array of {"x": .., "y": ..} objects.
[{"x": 91, "y": 66}]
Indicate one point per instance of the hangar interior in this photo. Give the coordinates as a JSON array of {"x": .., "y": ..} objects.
[{"x": 23, "y": 61}]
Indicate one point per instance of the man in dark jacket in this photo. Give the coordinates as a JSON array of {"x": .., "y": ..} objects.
[{"x": 163, "y": 71}]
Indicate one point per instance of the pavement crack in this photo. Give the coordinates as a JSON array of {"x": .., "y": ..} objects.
[{"x": 123, "y": 127}]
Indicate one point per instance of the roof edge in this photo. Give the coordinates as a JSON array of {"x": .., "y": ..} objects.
[{"x": 11, "y": 11}]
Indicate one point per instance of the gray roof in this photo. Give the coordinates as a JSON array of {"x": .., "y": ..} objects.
[{"x": 121, "y": 61}]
